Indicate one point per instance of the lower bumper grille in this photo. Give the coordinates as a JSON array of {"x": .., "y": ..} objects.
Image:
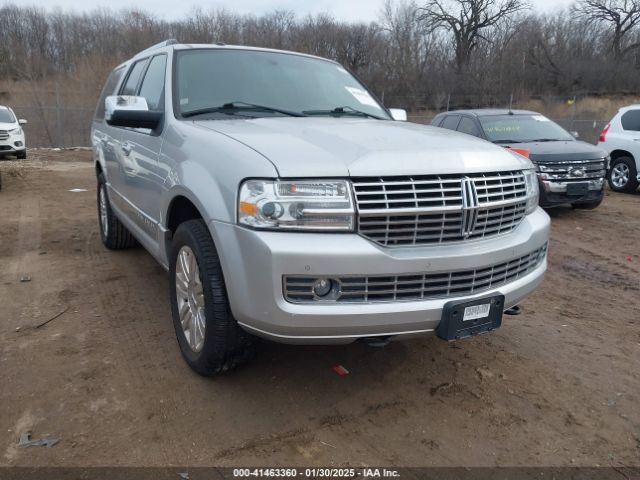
[{"x": 414, "y": 286}]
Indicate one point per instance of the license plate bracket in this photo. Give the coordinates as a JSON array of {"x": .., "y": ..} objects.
[
  {"x": 480, "y": 318},
  {"x": 577, "y": 189}
]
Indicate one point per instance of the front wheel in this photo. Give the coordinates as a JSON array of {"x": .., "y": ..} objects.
[
  {"x": 210, "y": 339},
  {"x": 22, "y": 155},
  {"x": 623, "y": 175}
]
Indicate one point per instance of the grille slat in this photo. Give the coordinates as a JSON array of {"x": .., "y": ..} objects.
[
  {"x": 417, "y": 286},
  {"x": 424, "y": 210},
  {"x": 4, "y": 135}
]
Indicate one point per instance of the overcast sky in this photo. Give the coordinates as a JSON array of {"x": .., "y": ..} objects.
[{"x": 349, "y": 10}]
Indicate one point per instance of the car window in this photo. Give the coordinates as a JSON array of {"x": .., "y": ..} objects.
[
  {"x": 152, "y": 88},
  {"x": 631, "y": 120},
  {"x": 131, "y": 85},
  {"x": 6, "y": 116},
  {"x": 469, "y": 127},
  {"x": 208, "y": 78},
  {"x": 437, "y": 120},
  {"x": 523, "y": 128},
  {"x": 451, "y": 122},
  {"x": 109, "y": 89}
]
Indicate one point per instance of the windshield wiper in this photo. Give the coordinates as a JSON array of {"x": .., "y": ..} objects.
[
  {"x": 546, "y": 140},
  {"x": 234, "y": 107},
  {"x": 346, "y": 110},
  {"x": 507, "y": 141}
]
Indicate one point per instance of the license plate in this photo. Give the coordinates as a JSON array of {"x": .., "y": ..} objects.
[
  {"x": 476, "y": 311},
  {"x": 577, "y": 189},
  {"x": 470, "y": 318}
]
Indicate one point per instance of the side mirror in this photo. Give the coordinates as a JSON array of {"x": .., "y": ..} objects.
[
  {"x": 22, "y": 121},
  {"x": 130, "y": 111},
  {"x": 575, "y": 134},
  {"x": 398, "y": 114}
]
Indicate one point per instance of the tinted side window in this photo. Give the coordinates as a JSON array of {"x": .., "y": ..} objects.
[
  {"x": 451, "y": 122},
  {"x": 109, "y": 89},
  {"x": 469, "y": 127},
  {"x": 437, "y": 120},
  {"x": 631, "y": 120},
  {"x": 131, "y": 84},
  {"x": 152, "y": 88}
]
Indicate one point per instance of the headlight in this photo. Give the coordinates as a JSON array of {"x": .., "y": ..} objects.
[
  {"x": 296, "y": 205},
  {"x": 533, "y": 193},
  {"x": 16, "y": 131}
]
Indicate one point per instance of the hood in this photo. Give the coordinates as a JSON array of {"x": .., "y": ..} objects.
[
  {"x": 561, "y": 151},
  {"x": 338, "y": 147},
  {"x": 8, "y": 126}
]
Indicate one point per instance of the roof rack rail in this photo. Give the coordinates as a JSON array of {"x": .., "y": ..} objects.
[{"x": 166, "y": 43}]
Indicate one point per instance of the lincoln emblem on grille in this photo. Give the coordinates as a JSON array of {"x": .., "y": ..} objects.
[{"x": 470, "y": 206}]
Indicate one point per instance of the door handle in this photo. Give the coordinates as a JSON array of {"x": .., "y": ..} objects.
[{"x": 126, "y": 148}]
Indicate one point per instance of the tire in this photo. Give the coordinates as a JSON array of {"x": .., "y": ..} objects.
[
  {"x": 22, "y": 155},
  {"x": 113, "y": 233},
  {"x": 616, "y": 176},
  {"x": 588, "y": 205},
  {"x": 223, "y": 345}
]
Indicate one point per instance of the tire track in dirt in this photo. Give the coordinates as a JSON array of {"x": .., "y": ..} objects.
[{"x": 132, "y": 328}]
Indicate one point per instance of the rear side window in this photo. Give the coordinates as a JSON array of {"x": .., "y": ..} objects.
[
  {"x": 131, "y": 85},
  {"x": 109, "y": 89},
  {"x": 152, "y": 88},
  {"x": 469, "y": 127},
  {"x": 451, "y": 122},
  {"x": 437, "y": 120},
  {"x": 631, "y": 120}
]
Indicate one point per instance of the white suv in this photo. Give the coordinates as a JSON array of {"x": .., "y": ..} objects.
[
  {"x": 621, "y": 138},
  {"x": 11, "y": 134}
]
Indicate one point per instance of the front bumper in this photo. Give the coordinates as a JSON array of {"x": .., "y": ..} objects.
[
  {"x": 553, "y": 193},
  {"x": 254, "y": 263},
  {"x": 13, "y": 144}
]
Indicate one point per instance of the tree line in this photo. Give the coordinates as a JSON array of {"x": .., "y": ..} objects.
[{"x": 415, "y": 54}]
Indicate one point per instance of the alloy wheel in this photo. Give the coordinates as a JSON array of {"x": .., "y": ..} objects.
[
  {"x": 190, "y": 297},
  {"x": 104, "y": 219},
  {"x": 620, "y": 175}
]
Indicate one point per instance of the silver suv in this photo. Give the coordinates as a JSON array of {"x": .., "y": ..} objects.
[{"x": 287, "y": 203}]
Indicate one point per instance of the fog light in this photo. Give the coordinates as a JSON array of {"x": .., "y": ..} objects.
[
  {"x": 18, "y": 144},
  {"x": 322, "y": 287}
]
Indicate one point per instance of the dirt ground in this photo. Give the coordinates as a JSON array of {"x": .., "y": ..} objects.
[{"x": 558, "y": 385}]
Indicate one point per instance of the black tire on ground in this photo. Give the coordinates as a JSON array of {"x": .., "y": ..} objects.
[
  {"x": 22, "y": 155},
  {"x": 588, "y": 205},
  {"x": 632, "y": 183},
  {"x": 116, "y": 236},
  {"x": 226, "y": 345}
]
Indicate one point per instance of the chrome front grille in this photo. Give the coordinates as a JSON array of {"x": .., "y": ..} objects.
[
  {"x": 4, "y": 135},
  {"x": 573, "y": 171},
  {"x": 421, "y": 210},
  {"x": 414, "y": 286}
]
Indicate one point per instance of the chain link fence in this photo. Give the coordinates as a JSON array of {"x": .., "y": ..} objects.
[
  {"x": 63, "y": 126},
  {"x": 56, "y": 126}
]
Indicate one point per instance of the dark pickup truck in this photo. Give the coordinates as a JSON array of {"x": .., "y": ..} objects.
[{"x": 569, "y": 171}]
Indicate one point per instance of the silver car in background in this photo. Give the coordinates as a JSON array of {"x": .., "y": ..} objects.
[{"x": 287, "y": 203}]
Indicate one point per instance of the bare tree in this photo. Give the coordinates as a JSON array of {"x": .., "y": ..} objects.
[
  {"x": 620, "y": 15},
  {"x": 467, "y": 21}
]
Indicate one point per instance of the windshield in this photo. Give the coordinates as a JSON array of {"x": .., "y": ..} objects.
[
  {"x": 209, "y": 79},
  {"x": 6, "y": 116},
  {"x": 522, "y": 128}
]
